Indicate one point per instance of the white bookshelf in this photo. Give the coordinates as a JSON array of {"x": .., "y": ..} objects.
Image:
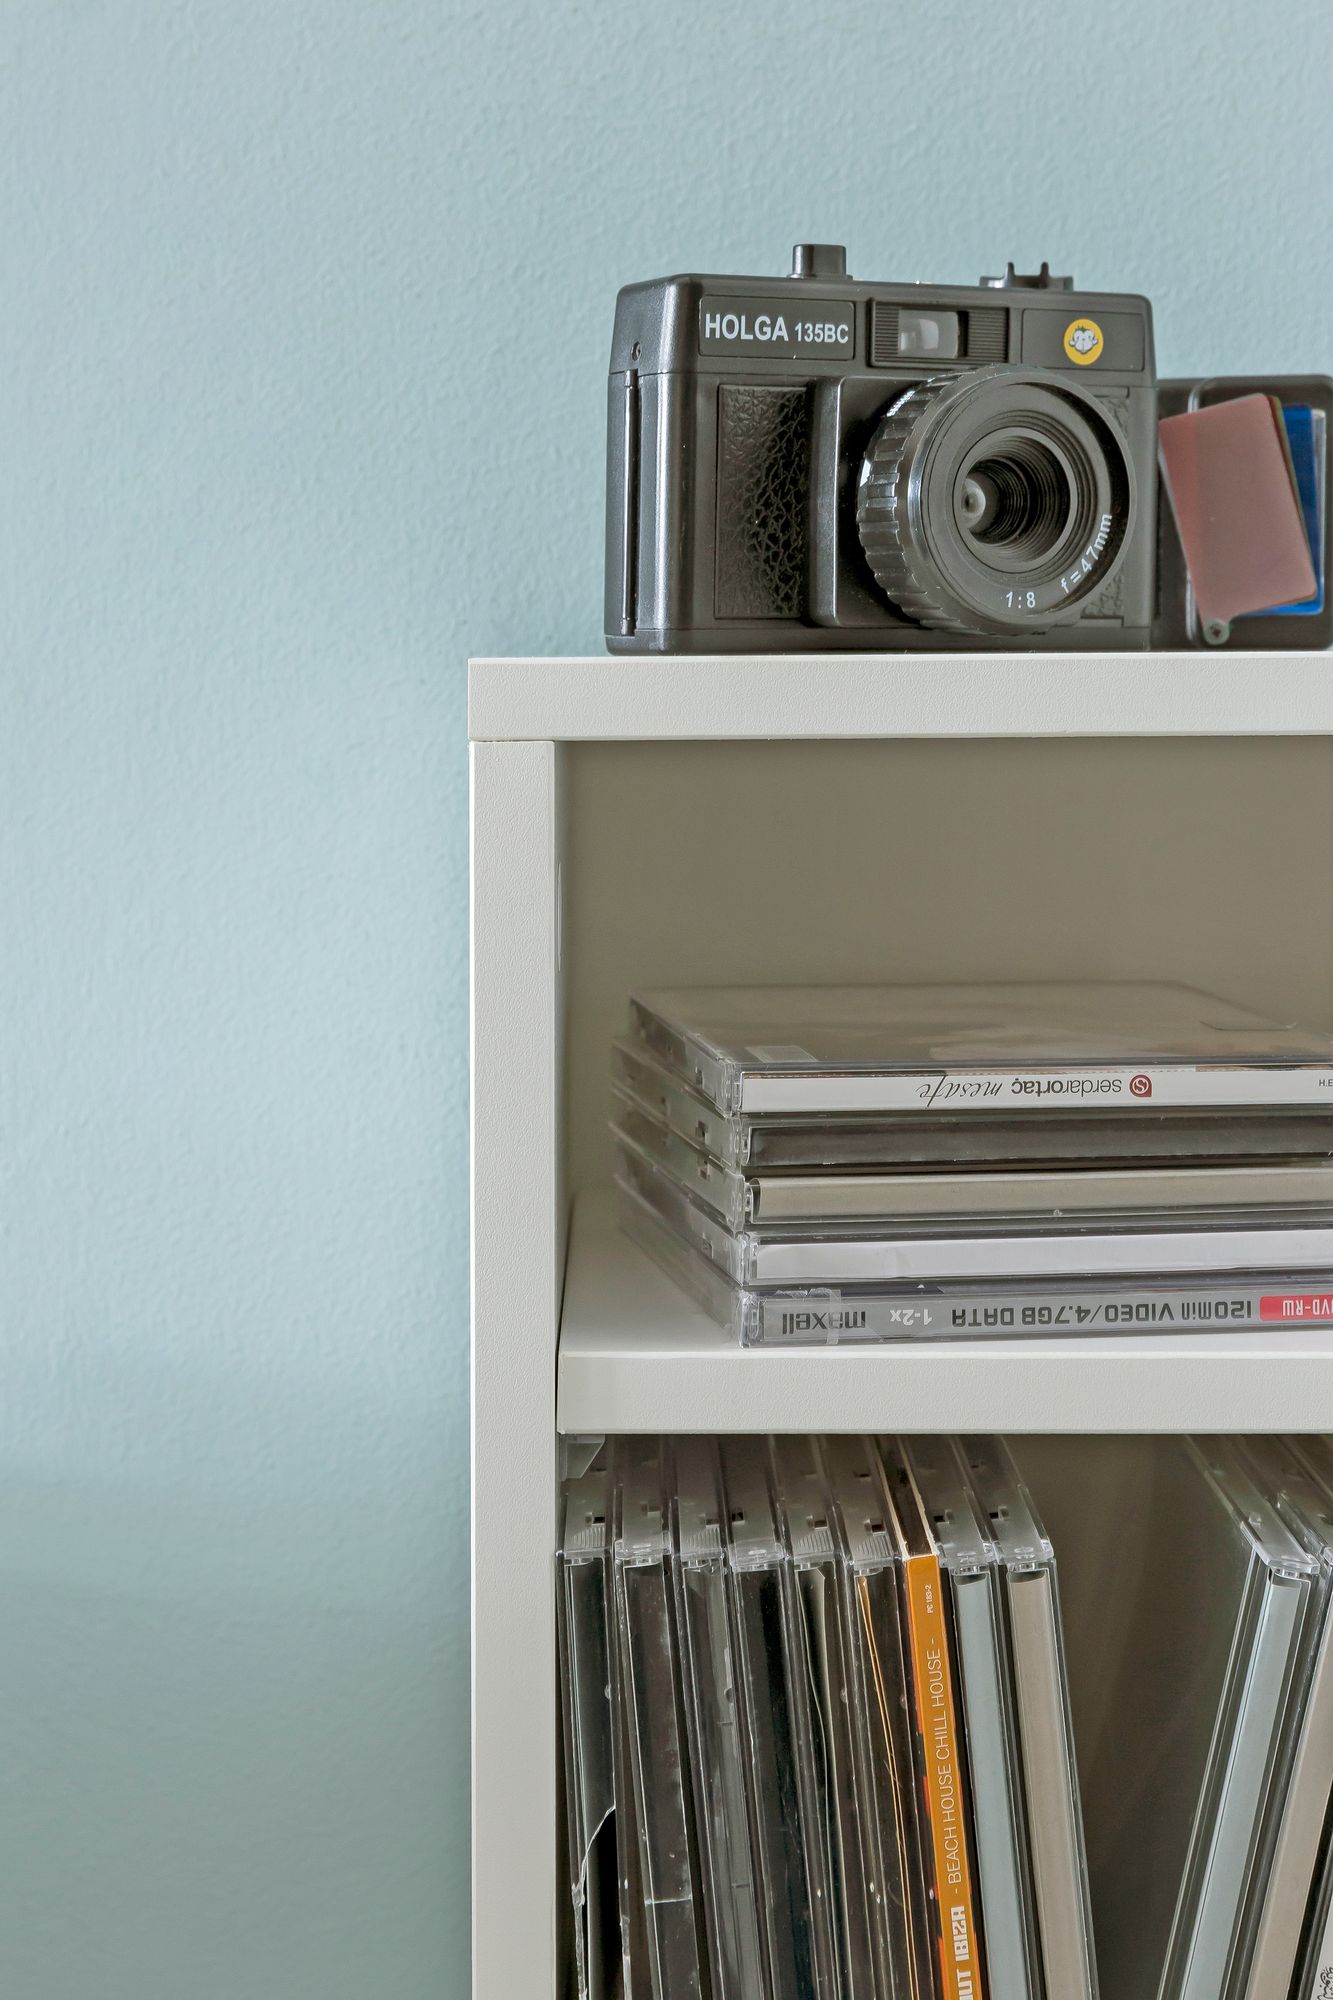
[{"x": 842, "y": 818}]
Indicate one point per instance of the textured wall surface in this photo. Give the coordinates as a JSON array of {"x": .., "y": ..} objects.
[{"x": 304, "y": 343}]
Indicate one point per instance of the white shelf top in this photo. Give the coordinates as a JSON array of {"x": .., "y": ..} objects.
[
  {"x": 902, "y": 695},
  {"x": 636, "y": 1354}
]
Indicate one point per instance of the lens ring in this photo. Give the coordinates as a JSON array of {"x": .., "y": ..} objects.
[{"x": 1057, "y": 490}]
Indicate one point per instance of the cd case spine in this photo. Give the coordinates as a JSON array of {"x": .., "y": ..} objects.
[
  {"x": 701, "y": 1066},
  {"x": 658, "y": 1760},
  {"x": 637, "y": 1077},
  {"x": 720, "y": 1188}
]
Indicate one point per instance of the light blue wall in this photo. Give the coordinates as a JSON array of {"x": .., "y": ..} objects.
[{"x": 305, "y": 314}]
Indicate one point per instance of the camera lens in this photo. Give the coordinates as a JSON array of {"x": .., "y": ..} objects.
[
  {"x": 992, "y": 502},
  {"x": 1017, "y": 500}
]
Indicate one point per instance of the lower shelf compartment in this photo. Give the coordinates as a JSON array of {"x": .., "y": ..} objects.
[
  {"x": 636, "y": 1354},
  {"x": 832, "y": 1725}
]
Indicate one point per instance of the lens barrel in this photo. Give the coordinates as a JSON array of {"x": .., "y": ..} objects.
[{"x": 994, "y": 501}]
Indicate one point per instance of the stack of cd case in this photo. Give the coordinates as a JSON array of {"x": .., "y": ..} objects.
[
  {"x": 817, "y": 1728},
  {"x": 844, "y": 1163}
]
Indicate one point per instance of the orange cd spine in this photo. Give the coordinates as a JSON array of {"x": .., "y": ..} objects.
[{"x": 946, "y": 1806}]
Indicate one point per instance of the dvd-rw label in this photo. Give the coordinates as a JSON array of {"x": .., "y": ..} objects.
[
  {"x": 930, "y": 1313},
  {"x": 1310, "y": 1307}
]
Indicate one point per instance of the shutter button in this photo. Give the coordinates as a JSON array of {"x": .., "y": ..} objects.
[{"x": 819, "y": 260}]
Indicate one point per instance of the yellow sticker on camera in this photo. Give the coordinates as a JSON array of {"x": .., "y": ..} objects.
[{"x": 1083, "y": 342}]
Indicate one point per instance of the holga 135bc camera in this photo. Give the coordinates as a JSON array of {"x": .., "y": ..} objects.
[{"x": 817, "y": 462}]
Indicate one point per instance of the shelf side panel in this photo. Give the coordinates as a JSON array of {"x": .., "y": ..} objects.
[{"x": 517, "y": 1256}]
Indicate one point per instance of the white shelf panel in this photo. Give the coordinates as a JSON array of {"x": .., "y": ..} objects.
[
  {"x": 637, "y": 1355},
  {"x": 902, "y": 695}
]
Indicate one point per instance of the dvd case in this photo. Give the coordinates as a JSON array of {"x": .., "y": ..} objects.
[
  {"x": 648, "y": 1650},
  {"x": 927, "y": 1249},
  {"x": 1134, "y": 1134},
  {"x": 983, "y": 1309},
  {"x": 710, "y": 1688},
  {"x": 1045, "y": 1726},
  {"x": 830, "y": 1049},
  {"x": 762, "y": 1200},
  {"x": 970, "y": 1563}
]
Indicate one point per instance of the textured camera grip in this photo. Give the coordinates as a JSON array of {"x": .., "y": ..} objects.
[{"x": 763, "y": 477}]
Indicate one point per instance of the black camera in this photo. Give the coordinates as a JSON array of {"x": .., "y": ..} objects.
[{"x": 820, "y": 463}]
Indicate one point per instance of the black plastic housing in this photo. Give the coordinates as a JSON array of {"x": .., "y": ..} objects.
[{"x": 733, "y": 462}]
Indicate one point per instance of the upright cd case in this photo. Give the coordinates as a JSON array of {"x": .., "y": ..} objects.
[
  {"x": 985, "y": 1048},
  {"x": 945, "y": 1783},
  {"x": 714, "y": 1723},
  {"x": 1248, "y": 1758},
  {"x": 974, "y": 1589},
  {"x": 668, "y": 1876},
  {"x": 1314, "y": 1980},
  {"x": 583, "y": 1612},
  {"x": 796, "y": 1933},
  {"x": 833, "y": 1769},
  {"x": 1268, "y": 1936},
  {"x": 1045, "y": 1727},
  {"x": 878, "y": 1650}
]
